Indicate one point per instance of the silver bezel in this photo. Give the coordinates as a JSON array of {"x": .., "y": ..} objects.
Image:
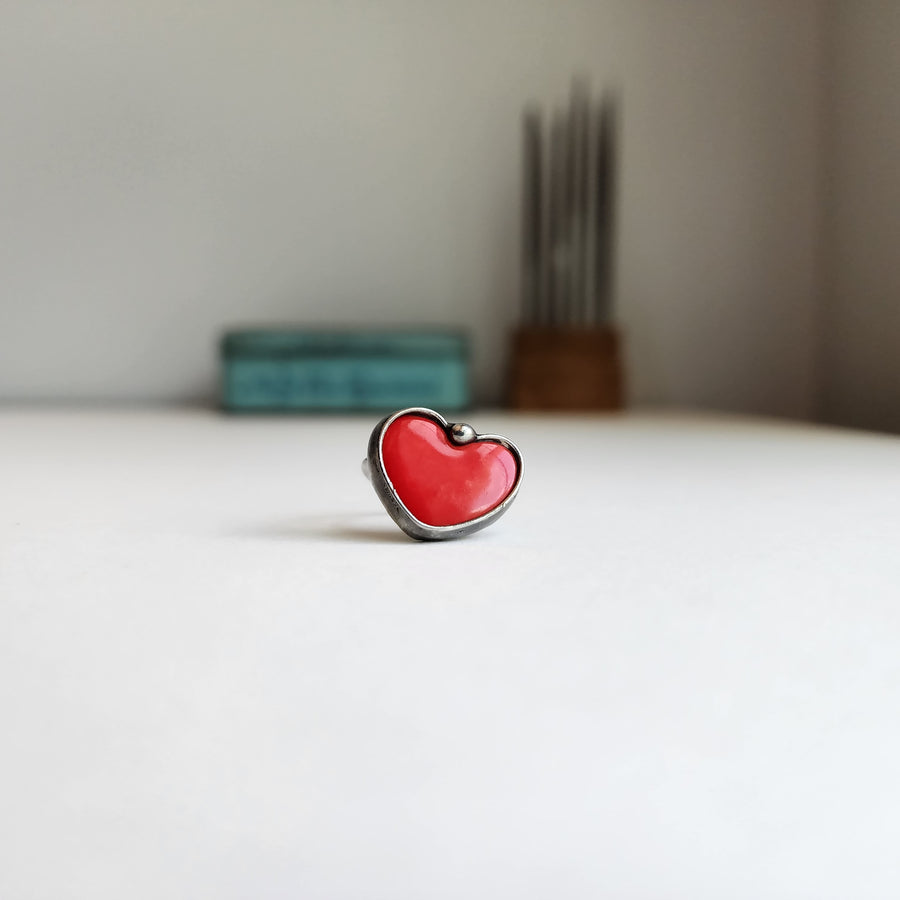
[{"x": 394, "y": 505}]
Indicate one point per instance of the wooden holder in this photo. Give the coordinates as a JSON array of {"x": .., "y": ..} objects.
[{"x": 566, "y": 369}]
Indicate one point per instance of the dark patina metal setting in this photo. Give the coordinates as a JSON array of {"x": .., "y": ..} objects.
[{"x": 458, "y": 433}]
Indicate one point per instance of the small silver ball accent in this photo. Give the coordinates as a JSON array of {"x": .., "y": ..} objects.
[{"x": 461, "y": 433}]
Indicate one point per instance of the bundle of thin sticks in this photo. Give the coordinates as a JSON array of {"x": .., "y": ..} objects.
[{"x": 568, "y": 213}]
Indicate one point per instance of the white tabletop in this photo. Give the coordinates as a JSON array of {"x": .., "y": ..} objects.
[{"x": 672, "y": 670}]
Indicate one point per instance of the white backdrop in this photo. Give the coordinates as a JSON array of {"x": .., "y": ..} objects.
[{"x": 168, "y": 169}]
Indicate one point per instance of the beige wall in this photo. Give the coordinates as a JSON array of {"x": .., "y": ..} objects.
[
  {"x": 169, "y": 168},
  {"x": 861, "y": 352}
]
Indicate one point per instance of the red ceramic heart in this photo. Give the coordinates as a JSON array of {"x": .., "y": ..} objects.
[{"x": 442, "y": 483}]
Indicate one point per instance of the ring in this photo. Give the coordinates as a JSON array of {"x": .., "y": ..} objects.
[{"x": 440, "y": 480}]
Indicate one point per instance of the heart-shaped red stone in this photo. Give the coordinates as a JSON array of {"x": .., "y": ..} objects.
[{"x": 442, "y": 483}]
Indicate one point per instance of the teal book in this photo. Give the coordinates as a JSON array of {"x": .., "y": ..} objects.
[{"x": 283, "y": 370}]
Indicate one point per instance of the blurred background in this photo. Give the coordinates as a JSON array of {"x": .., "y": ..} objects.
[{"x": 172, "y": 169}]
